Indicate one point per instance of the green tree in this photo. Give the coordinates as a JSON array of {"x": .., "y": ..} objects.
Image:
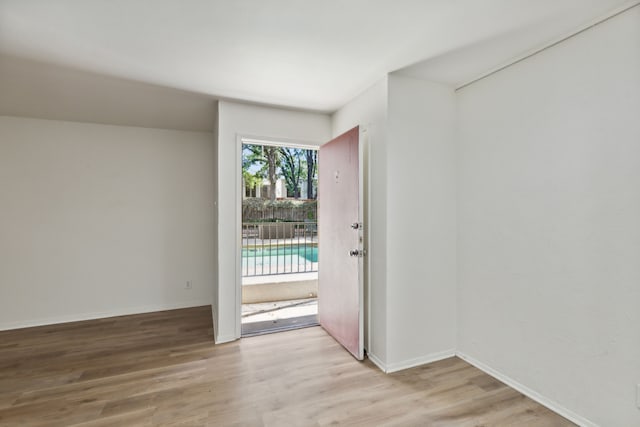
[
  {"x": 311, "y": 157},
  {"x": 292, "y": 169},
  {"x": 267, "y": 158},
  {"x": 251, "y": 181}
]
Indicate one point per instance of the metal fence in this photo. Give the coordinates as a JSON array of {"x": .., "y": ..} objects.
[
  {"x": 257, "y": 210},
  {"x": 279, "y": 248}
]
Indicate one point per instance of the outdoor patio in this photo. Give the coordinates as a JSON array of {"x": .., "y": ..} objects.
[{"x": 279, "y": 275}]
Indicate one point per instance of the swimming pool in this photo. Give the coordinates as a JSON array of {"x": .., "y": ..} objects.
[
  {"x": 310, "y": 253},
  {"x": 279, "y": 259}
]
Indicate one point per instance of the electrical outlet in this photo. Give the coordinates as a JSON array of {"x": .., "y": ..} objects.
[{"x": 188, "y": 285}]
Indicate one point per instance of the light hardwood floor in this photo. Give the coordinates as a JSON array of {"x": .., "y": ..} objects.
[{"x": 163, "y": 369}]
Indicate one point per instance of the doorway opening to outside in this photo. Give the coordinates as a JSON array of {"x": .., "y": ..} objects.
[{"x": 279, "y": 237}]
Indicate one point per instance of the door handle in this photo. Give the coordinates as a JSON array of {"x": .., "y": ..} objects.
[
  {"x": 356, "y": 226},
  {"x": 357, "y": 253}
]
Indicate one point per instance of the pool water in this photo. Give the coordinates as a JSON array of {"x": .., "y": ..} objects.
[{"x": 283, "y": 253}]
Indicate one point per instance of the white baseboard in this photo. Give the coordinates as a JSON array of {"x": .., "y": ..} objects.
[
  {"x": 532, "y": 394},
  {"x": 410, "y": 363},
  {"x": 225, "y": 338},
  {"x": 422, "y": 360},
  {"x": 376, "y": 361},
  {"x": 100, "y": 315}
]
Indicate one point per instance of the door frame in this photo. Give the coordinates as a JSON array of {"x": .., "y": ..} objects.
[
  {"x": 363, "y": 169},
  {"x": 241, "y": 139}
]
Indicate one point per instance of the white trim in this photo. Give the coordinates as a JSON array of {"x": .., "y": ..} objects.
[
  {"x": 242, "y": 138},
  {"x": 238, "y": 244},
  {"x": 101, "y": 315},
  {"x": 362, "y": 134},
  {"x": 532, "y": 394},
  {"x": 603, "y": 18},
  {"x": 422, "y": 360},
  {"x": 365, "y": 143},
  {"x": 214, "y": 315},
  {"x": 279, "y": 142},
  {"x": 224, "y": 339},
  {"x": 376, "y": 361}
]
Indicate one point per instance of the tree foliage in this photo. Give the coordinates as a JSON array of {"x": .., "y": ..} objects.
[
  {"x": 292, "y": 169},
  {"x": 311, "y": 157},
  {"x": 295, "y": 165},
  {"x": 268, "y": 158}
]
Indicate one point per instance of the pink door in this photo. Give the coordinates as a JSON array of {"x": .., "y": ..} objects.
[{"x": 340, "y": 290}]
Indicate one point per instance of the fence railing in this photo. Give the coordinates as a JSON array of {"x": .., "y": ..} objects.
[
  {"x": 279, "y": 248},
  {"x": 254, "y": 210}
]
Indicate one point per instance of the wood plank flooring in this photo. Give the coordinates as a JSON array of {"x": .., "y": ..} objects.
[{"x": 163, "y": 369}]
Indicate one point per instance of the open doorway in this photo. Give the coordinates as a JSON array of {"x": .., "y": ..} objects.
[{"x": 279, "y": 237}]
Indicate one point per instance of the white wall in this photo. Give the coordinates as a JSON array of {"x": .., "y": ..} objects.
[
  {"x": 549, "y": 222},
  {"x": 421, "y": 222},
  {"x": 99, "y": 220},
  {"x": 369, "y": 111},
  {"x": 47, "y": 91},
  {"x": 236, "y": 120},
  {"x": 407, "y": 130}
]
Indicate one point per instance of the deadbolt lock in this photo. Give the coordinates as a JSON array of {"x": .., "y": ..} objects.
[{"x": 357, "y": 253}]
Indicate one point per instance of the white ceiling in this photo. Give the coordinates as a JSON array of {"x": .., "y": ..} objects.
[{"x": 308, "y": 54}]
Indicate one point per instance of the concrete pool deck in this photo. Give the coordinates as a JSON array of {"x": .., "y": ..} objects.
[
  {"x": 279, "y": 287},
  {"x": 279, "y": 310}
]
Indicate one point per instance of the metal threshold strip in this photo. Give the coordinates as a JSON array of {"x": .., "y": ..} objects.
[
  {"x": 295, "y": 304},
  {"x": 278, "y": 325}
]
